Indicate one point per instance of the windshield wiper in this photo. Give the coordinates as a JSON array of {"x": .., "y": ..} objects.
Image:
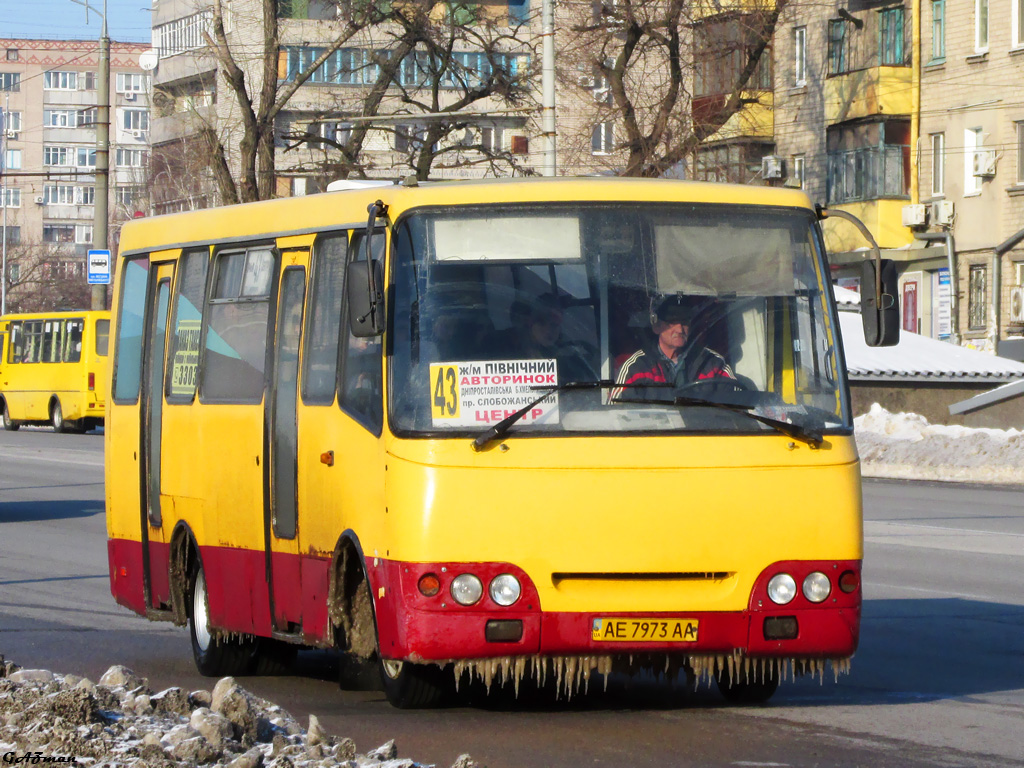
[
  {"x": 812, "y": 437},
  {"x": 500, "y": 429}
]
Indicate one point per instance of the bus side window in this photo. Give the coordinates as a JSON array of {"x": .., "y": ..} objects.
[
  {"x": 73, "y": 341},
  {"x": 14, "y": 343},
  {"x": 128, "y": 358},
  {"x": 182, "y": 373},
  {"x": 362, "y": 387},
  {"x": 323, "y": 325},
  {"x": 102, "y": 337}
]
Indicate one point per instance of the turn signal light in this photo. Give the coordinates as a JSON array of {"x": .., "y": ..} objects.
[
  {"x": 849, "y": 581},
  {"x": 429, "y": 585}
]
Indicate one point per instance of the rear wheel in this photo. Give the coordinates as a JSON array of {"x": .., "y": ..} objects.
[
  {"x": 10, "y": 424},
  {"x": 60, "y": 424},
  {"x": 738, "y": 688},
  {"x": 412, "y": 686},
  {"x": 215, "y": 656}
]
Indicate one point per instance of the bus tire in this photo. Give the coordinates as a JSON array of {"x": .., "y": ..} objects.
[
  {"x": 214, "y": 656},
  {"x": 412, "y": 686},
  {"x": 10, "y": 424},
  {"x": 751, "y": 690},
  {"x": 57, "y": 419},
  {"x": 273, "y": 657}
]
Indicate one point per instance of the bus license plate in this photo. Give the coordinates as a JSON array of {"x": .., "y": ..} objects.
[{"x": 644, "y": 630}]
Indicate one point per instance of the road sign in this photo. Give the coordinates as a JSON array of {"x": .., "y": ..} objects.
[{"x": 99, "y": 267}]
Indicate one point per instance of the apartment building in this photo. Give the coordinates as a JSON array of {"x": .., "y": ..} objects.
[
  {"x": 972, "y": 149},
  {"x": 49, "y": 101}
]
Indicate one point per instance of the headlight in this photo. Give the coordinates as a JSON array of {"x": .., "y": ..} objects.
[
  {"x": 505, "y": 589},
  {"x": 782, "y": 588},
  {"x": 467, "y": 589},
  {"x": 817, "y": 587}
]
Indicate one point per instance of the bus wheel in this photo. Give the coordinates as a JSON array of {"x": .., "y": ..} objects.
[
  {"x": 10, "y": 424},
  {"x": 748, "y": 691},
  {"x": 57, "y": 418},
  {"x": 274, "y": 657},
  {"x": 412, "y": 686},
  {"x": 215, "y": 657}
]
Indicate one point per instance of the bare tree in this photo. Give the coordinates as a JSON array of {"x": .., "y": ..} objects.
[
  {"x": 664, "y": 75},
  {"x": 43, "y": 277}
]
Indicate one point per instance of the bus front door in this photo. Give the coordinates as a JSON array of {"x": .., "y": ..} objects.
[
  {"x": 281, "y": 505},
  {"x": 154, "y": 542}
]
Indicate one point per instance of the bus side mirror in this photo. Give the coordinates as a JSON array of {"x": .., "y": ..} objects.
[
  {"x": 880, "y": 314},
  {"x": 365, "y": 298}
]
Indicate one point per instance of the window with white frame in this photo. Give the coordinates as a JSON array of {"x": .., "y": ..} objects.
[
  {"x": 938, "y": 163},
  {"x": 83, "y": 234},
  {"x": 938, "y": 30},
  {"x": 1019, "y": 125},
  {"x": 59, "y": 118},
  {"x": 127, "y": 195},
  {"x": 11, "y": 198},
  {"x": 85, "y": 195},
  {"x": 130, "y": 82},
  {"x": 130, "y": 158},
  {"x": 799, "y": 168},
  {"x": 59, "y": 194},
  {"x": 10, "y": 81},
  {"x": 90, "y": 81},
  {"x": 58, "y": 233},
  {"x": 409, "y": 138},
  {"x": 57, "y": 80},
  {"x": 12, "y": 122},
  {"x": 58, "y": 155},
  {"x": 135, "y": 119},
  {"x": 12, "y": 159},
  {"x": 491, "y": 139},
  {"x": 972, "y": 143},
  {"x": 980, "y": 26},
  {"x": 1017, "y": 23},
  {"x": 86, "y": 118},
  {"x": 85, "y": 157},
  {"x": 602, "y": 140},
  {"x": 800, "y": 56}
]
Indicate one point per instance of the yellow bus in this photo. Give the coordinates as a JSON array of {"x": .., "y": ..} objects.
[
  {"x": 53, "y": 369},
  {"x": 337, "y": 421}
]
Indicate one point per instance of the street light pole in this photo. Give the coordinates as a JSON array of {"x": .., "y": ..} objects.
[
  {"x": 549, "y": 167},
  {"x": 101, "y": 198}
]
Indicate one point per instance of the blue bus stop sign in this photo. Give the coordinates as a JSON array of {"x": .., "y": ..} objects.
[{"x": 99, "y": 267}]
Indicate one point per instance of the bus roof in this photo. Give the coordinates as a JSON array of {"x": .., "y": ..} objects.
[{"x": 347, "y": 209}]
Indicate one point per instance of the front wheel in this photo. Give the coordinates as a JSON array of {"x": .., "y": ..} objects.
[
  {"x": 10, "y": 424},
  {"x": 412, "y": 686},
  {"x": 215, "y": 656}
]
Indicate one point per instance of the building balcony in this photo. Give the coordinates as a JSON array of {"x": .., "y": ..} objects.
[
  {"x": 883, "y": 218},
  {"x": 866, "y": 93},
  {"x": 754, "y": 120}
]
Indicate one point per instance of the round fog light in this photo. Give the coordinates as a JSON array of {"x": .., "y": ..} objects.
[
  {"x": 817, "y": 587},
  {"x": 782, "y": 588},
  {"x": 429, "y": 585},
  {"x": 467, "y": 589},
  {"x": 505, "y": 589}
]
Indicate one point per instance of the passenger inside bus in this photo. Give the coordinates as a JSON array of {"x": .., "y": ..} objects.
[
  {"x": 672, "y": 355},
  {"x": 543, "y": 338}
]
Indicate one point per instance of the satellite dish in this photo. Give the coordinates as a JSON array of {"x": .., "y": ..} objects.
[{"x": 148, "y": 60}]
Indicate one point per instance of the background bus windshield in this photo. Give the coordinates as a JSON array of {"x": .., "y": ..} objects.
[{"x": 677, "y": 308}]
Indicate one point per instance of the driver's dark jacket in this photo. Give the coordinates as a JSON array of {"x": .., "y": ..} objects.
[{"x": 650, "y": 366}]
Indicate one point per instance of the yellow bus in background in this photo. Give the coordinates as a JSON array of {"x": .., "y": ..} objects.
[
  {"x": 328, "y": 427},
  {"x": 53, "y": 369}
]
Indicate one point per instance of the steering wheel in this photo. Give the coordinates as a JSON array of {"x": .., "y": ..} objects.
[{"x": 713, "y": 384}]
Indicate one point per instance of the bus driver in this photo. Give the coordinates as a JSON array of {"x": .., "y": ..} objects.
[{"x": 667, "y": 359}]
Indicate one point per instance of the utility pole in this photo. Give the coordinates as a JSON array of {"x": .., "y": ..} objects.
[
  {"x": 3, "y": 171},
  {"x": 99, "y": 225},
  {"x": 548, "y": 86}
]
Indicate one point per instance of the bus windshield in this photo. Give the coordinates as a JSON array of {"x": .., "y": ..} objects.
[{"x": 681, "y": 317}]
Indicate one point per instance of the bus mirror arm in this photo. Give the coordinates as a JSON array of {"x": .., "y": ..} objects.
[
  {"x": 879, "y": 288},
  {"x": 366, "y": 305}
]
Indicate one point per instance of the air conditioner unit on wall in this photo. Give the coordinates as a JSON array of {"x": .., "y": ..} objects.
[
  {"x": 129, "y": 96},
  {"x": 13, "y": 135},
  {"x": 585, "y": 81},
  {"x": 913, "y": 215},
  {"x": 138, "y": 134},
  {"x": 39, "y": 200},
  {"x": 942, "y": 212},
  {"x": 985, "y": 162},
  {"x": 1017, "y": 305},
  {"x": 771, "y": 167}
]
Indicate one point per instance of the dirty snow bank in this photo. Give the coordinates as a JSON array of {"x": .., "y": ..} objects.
[
  {"x": 46, "y": 718},
  {"x": 905, "y": 445}
]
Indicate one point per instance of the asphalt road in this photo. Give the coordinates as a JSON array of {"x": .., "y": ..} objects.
[{"x": 938, "y": 680}]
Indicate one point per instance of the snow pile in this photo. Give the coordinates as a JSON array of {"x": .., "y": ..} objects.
[
  {"x": 46, "y": 718},
  {"x": 905, "y": 445}
]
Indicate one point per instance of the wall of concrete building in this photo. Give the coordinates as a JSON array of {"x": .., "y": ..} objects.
[{"x": 932, "y": 400}]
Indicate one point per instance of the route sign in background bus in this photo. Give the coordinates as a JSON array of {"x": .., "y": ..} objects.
[{"x": 410, "y": 437}]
